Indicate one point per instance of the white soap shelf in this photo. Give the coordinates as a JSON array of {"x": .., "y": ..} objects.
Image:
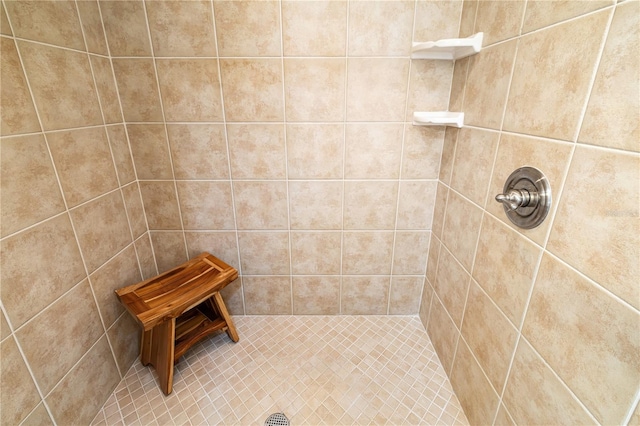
[
  {"x": 450, "y": 48},
  {"x": 438, "y": 118}
]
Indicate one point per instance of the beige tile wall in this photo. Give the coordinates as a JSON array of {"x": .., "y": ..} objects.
[
  {"x": 73, "y": 227},
  {"x": 277, "y": 135},
  {"x": 542, "y": 326}
]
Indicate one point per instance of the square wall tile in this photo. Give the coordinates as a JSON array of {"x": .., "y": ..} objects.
[
  {"x": 367, "y": 253},
  {"x": 18, "y": 114},
  {"x": 65, "y": 96},
  {"x": 432, "y": 259},
  {"x": 451, "y": 285},
  {"x": 160, "y": 204},
  {"x": 150, "y": 151},
  {"x": 422, "y": 152},
  {"x": 316, "y": 253},
  {"x": 443, "y": 333},
  {"x": 15, "y": 376},
  {"x": 121, "y": 153},
  {"x": 499, "y": 20},
  {"x": 261, "y": 204},
  {"x": 248, "y": 28},
  {"x": 550, "y": 103},
  {"x": 468, "y": 17},
  {"x": 410, "y": 252},
  {"x": 267, "y": 295},
  {"x": 5, "y": 331},
  {"x": 316, "y": 295},
  {"x": 257, "y": 151},
  {"x": 145, "y": 257},
  {"x": 415, "y": 204},
  {"x": 190, "y": 89},
  {"x": 540, "y": 14},
  {"x": 461, "y": 228},
  {"x": 370, "y": 204},
  {"x": 404, "y": 296},
  {"x": 169, "y": 249},
  {"x": 458, "y": 85},
  {"x": 41, "y": 264},
  {"x": 124, "y": 337},
  {"x": 92, "y": 26},
  {"x": 26, "y": 163},
  {"x": 314, "y": 89},
  {"x": 315, "y": 151},
  {"x": 436, "y": 20},
  {"x": 138, "y": 89},
  {"x": 223, "y": 245},
  {"x": 206, "y": 205},
  {"x": 199, "y": 151},
  {"x": 107, "y": 92},
  {"x": 84, "y": 163},
  {"x": 314, "y": 28},
  {"x": 448, "y": 154},
  {"x": 125, "y": 24},
  {"x": 315, "y": 204},
  {"x": 233, "y": 297},
  {"x": 181, "y": 28},
  {"x": 439, "y": 210},
  {"x": 264, "y": 253},
  {"x": 364, "y": 295},
  {"x": 380, "y": 28},
  {"x": 373, "y": 150},
  {"x": 429, "y": 86},
  {"x": 252, "y": 88},
  {"x": 135, "y": 210},
  {"x": 5, "y": 28}
]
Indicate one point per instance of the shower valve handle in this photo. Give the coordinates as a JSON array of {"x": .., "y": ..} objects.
[{"x": 516, "y": 198}]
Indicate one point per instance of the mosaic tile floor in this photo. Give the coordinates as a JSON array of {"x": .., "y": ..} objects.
[{"x": 334, "y": 370}]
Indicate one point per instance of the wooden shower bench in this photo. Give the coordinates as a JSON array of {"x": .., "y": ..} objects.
[{"x": 177, "y": 309}]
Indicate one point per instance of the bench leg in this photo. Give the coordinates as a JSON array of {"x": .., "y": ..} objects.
[
  {"x": 222, "y": 309},
  {"x": 162, "y": 353},
  {"x": 145, "y": 347}
]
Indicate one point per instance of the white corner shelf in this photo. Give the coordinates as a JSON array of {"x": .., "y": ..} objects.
[
  {"x": 448, "y": 49},
  {"x": 438, "y": 118}
]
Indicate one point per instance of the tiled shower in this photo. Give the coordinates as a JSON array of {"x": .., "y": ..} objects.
[{"x": 278, "y": 136}]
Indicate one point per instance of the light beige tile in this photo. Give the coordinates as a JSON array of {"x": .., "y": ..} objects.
[
  {"x": 487, "y": 85},
  {"x": 15, "y": 376},
  {"x": 543, "y": 13},
  {"x": 370, "y": 204},
  {"x": 84, "y": 164},
  {"x": 107, "y": 92},
  {"x": 489, "y": 334},
  {"x": 461, "y": 228},
  {"x": 261, "y": 205},
  {"x": 314, "y": 28},
  {"x": 475, "y": 152},
  {"x": 367, "y": 253},
  {"x": 389, "y": 77},
  {"x": 579, "y": 235},
  {"x": 380, "y": 28},
  {"x": 199, "y": 151},
  {"x": 222, "y": 245},
  {"x": 550, "y": 103},
  {"x": 169, "y": 249},
  {"x": 474, "y": 391},
  {"x": 5, "y": 28},
  {"x": 150, "y": 151},
  {"x": 26, "y": 164},
  {"x": 439, "y": 210},
  {"x": 635, "y": 417},
  {"x": 257, "y": 151},
  {"x": 436, "y": 20},
  {"x": 206, "y": 205},
  {"x": 138, "y": 89},
  {"x": 39, "y": 416},
  {"x": 425, "y": 304},
  {"x": 51, "y": 22},
  {"x": 78, "y": 396},
  {"x": 367, "y": 295},
  {"x": 315, "y": 151},
  {"x": 373, "y": 150},
  {"x": 248, "y": 28},
  {"x": 422, "y": 152},
  {"x": 18, "y": 113},
  {"x": 499, "y": 20},
  {"x": 415, "y": 205},
  {"x": 534, "y": 394},
  {"x": 404, "y": 297},
  {"x": 160, "y": 205},
  {"x": 315, "y": 204},
  {"x": 63, "y": 332},
  {"x": 118, "y": 272},
  {"x": 5, "y": 331},
  {"x": 432, "y": 259},
  {"x": 468, "y": 18},
  {"x": 124, "y": 337},
  {"x": 429, "y": 86},
  {"x": 589, "y": 338},
  {"x": 316, "y": 295},
  {"x": 611, "y": 117},
  {"x": 41, "y": 264},
  {"x": 552, "y": 158},
  {"x": 451, "y": 285},
  {"x": 125, "y": 25},
  {"x": 275, "y": 290},
  {"x": 233, "y": 297},
  {"x": 65, "y": 95},
  {"x": 102, "y": 229},
  {"x": 135, "y": 209},
  {"x": 443, "y": 333},
  {"x": 252, "y": 89},
  {"x": 410, "y": 252},
  {"x": 504, "y": 267},
  {"x": 314, "y": 89},
  {"x": 92, "y": 27},
  {"x": 315, "y": 253},
  {"x": 458, "y": 85},
  {"x": 190, "y": 89},
  {"x": 503, "y": 418},
  {"x": 264, "y": 253},
  {"x": 181, "y": 28},
  {"x": 121, "y": 153},
  {"x": 145, "y": 257}
]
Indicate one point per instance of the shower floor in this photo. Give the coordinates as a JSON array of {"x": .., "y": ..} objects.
[{"x": 331, "y": 370}]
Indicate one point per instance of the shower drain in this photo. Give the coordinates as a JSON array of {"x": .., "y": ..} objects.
[{"x": 277, "y": 419}]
